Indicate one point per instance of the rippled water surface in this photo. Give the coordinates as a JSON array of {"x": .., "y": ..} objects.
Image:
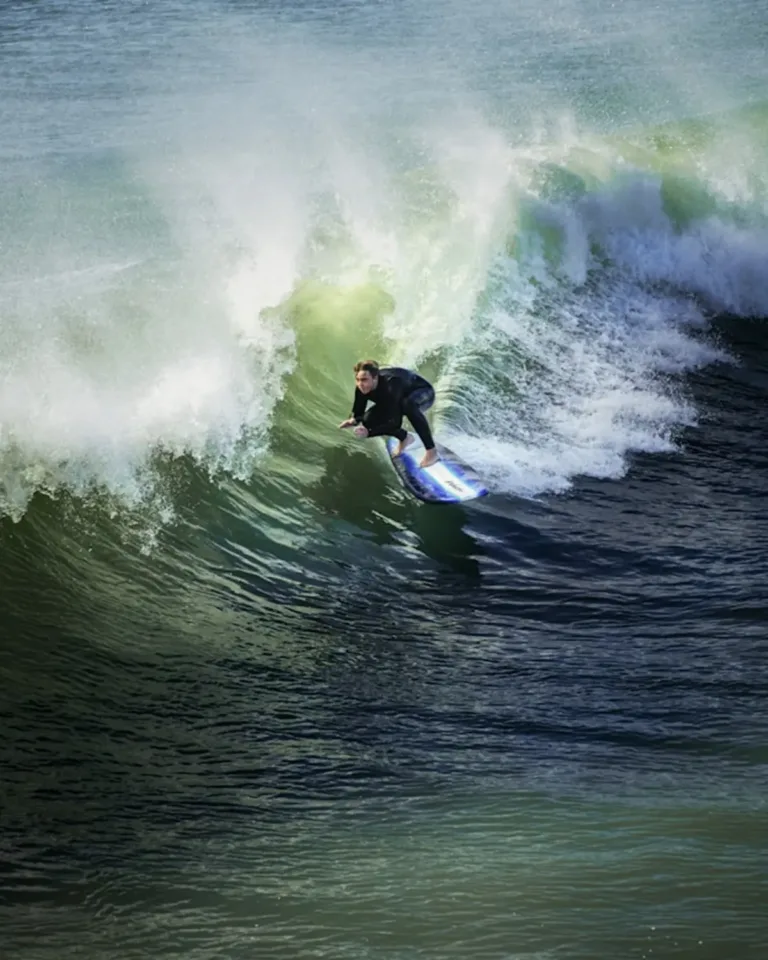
[{"x": 255, "y": 701}]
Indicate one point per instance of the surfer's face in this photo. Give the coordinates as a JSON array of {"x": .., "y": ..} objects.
[{"x": 365, "y": 382}]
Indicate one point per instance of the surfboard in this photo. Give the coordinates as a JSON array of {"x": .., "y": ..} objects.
[{"x": 450, "y": 480}]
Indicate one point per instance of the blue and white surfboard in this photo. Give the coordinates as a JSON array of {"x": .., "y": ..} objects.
[{"x": 450, "y": 480}]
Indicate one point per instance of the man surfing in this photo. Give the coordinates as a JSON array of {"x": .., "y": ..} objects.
[{"x": 396, "y": 392}]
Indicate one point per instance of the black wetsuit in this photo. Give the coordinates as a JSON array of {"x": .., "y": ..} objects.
[{"x": 398, "y": 392}]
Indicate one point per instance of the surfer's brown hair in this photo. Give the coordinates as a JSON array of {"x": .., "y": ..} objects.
[{"x": 370, "y": 366}]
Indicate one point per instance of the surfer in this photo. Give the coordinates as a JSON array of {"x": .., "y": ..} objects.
[{"x": 396, "y": 392}]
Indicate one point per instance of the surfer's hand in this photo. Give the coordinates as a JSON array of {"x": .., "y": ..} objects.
[
  {"x": 361, "y": 431},
  {"x": 347, "y": 423}
]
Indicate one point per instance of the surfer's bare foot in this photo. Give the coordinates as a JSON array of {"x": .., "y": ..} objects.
[
  {"x": 400, "y": 448},
  {"x": 429, "y": 458}
]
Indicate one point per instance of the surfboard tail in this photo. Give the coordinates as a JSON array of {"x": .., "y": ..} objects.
[{"x": 449, "y": 480}]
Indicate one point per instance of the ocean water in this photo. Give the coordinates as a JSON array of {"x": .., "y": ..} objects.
[{"x": 256, "y": 702}]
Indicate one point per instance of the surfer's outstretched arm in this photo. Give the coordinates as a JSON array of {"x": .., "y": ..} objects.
[
  {"x": 358, "y": 410},
  {"x": 358, "y": 405}
]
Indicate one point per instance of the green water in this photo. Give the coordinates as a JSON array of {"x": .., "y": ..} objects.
[{"x": 255, "y": 701}]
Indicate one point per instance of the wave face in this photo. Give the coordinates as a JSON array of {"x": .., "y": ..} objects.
[{"x": 253, "y": 696}]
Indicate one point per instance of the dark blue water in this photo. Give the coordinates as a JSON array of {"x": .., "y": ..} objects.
[{"x": 256, "y": 701}]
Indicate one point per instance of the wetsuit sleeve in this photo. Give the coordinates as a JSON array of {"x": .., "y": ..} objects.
[{"x": 358, "y": 405}]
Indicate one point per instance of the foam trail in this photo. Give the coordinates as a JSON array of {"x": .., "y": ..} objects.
[
  {"x": 578, "y": 360},
  {"x": 264, "y": 159}
]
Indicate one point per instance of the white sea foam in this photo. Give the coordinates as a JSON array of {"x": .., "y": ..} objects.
[{"x": 138, "y": 276}]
